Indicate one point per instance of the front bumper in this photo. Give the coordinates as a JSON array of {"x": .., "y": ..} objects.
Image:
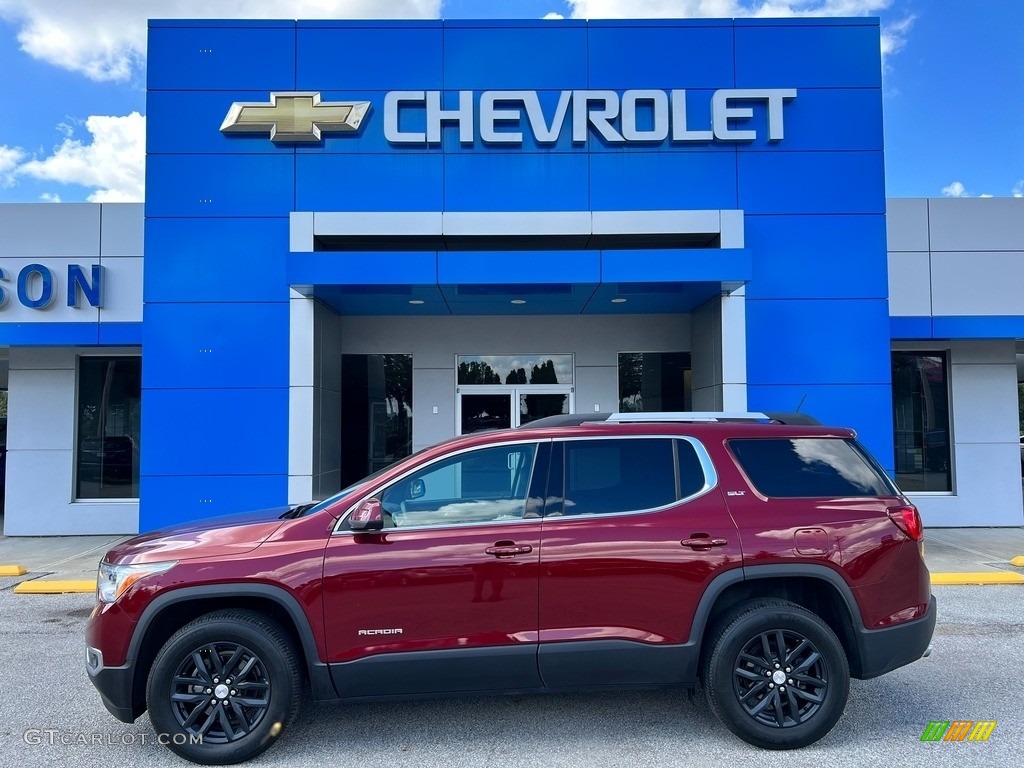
[
  {"x": 883, "y": 650},
  {"x": 115, "y": 685}
]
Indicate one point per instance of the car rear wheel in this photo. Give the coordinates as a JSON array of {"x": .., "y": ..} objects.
[
  {"x": 776, "y": 675},
  {"x": 224, "y": 687}
]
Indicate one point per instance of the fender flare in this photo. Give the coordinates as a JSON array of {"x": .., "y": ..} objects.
[
  {"x": 733, "y": 576},
  {"x": 318, "y": 673}
]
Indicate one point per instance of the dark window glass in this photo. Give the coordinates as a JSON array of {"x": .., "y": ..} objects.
[
  {"x": 920, "y": 408},
  {"x": 514, "y": 369},
  {"x": 481, "y": 486},
  {"x": 109, "y": 411},
  {"x": 654, "y": 381},
  {"x": 485, "y": 411},
  {"x": 809, "y": 467},
  {"x": 607, "y": 476},
  {"x": 376, "y": 413},
  {"x": 691, "y": 473}
]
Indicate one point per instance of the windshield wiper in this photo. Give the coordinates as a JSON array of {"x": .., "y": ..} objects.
[{"x": 297, "y": 511}]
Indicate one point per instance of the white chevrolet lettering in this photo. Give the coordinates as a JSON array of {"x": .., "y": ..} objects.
[
  {"x": 599, "y": 118},
  {"x": 490, "y": 114},
  {"x": 722, "y": 112},
  {"x": 542, "y": 132},
  {"x": 392, "y": 104},
  {"x": 499, "y": 118},
  {"x": 463, "y": 116},
  {"x": 659, "y": 103},
  {"x": 680, "y": 131}
]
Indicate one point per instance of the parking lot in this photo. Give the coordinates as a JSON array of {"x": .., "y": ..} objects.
[{"x": 50, "y": 714}]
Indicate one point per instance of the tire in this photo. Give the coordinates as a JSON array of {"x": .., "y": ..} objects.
[
  {"x": 747, "y": 685},
  {"x": 237, "y": 719}
]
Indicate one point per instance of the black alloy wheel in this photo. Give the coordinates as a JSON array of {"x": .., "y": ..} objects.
[
  {"x": 220, "y": 691},
  {"x": 775, "y": 674},
  {"x": 224, "y": 687},
  {"x": 780, "y": 678}
]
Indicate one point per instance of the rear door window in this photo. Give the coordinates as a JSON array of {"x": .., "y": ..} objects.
[
  {"x": 610, "y": 476},
  {"x": 809, "y": 467}
]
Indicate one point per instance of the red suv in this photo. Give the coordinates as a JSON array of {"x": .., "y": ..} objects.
[{"x": 766, "y": 558}]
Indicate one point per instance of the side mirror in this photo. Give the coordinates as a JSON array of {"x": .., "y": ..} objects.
[
  {"x": 417, "y": 489},
  {"x": 368, "y": 516}
]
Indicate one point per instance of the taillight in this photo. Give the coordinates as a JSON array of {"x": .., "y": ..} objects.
[{"x": 908, "y": 520}]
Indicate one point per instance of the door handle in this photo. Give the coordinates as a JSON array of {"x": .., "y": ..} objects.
[
  {"x": 704, "y": 542},
  {"x": 509, "y": 550}
]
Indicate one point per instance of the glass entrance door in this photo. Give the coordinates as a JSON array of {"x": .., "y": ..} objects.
[
  {"x": 497, "y": 407},
  {"x": 484, "y": 410},
  {"x": 539, "y": 404}
]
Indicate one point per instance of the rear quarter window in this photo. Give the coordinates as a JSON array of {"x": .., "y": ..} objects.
[{"x": 809, "y": 467}]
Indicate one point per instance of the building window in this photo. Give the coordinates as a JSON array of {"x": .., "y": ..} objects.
[
  {"x": 654, "y": 381},
  {"x": 514, "y": 369},
  {"x": 109, "y": 410},
  {"x": 920, "y": 404},
  {"x": 376, "y": 413}
]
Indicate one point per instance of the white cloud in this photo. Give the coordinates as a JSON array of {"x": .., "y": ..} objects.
[
  {"x": 553, "y": 16},
  {"x": 50, "y": 197},
  {"x": 106, "y": 39},
  {"x": 618, "y": 9},
  {"x": 955, "y": 189},
  {"x": 9, "y": 159},
  {"x": 894, "y": 35},
  {"x": 112, "y": 164}
]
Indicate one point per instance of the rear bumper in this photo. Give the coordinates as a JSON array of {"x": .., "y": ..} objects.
[{"x": 883, "y": 650}]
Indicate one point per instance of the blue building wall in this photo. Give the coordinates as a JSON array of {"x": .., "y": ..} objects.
[{"x": 215, "y": 379}]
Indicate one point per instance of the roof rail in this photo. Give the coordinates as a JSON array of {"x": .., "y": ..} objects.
[
  {"x": 687, "y": 416},
  {"x": 578, "y": 419}
]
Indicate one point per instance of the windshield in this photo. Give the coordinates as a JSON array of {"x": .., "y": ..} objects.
[{"x": 311, "y": 509}]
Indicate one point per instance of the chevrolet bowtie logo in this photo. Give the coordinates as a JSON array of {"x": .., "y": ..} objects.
[{"x": 295, "y": 116}]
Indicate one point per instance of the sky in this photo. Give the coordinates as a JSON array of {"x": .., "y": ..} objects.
[{"x": 72, "y": 82}]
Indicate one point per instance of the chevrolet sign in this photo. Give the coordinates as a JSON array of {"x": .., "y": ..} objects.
[
  {"x": 498, "y": 116},
  {"x": 296, "y": 116}
]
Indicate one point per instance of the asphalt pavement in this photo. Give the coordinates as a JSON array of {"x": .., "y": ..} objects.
[{"x": 51, "y": 715}]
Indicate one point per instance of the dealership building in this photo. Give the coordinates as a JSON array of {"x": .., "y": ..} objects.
[{"x": 361, "y": 238}]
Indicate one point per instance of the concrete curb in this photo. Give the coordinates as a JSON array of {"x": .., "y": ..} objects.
[
  {"x": 54, "y": 586},
  {"x": 12, "y": 570},
  {"x": 990, "y": 577}
]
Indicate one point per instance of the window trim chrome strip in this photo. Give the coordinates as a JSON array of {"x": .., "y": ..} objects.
[{"x": 711, "y": 481}]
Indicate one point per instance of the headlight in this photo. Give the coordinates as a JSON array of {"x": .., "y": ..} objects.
[{"x": 114, "y": 580}]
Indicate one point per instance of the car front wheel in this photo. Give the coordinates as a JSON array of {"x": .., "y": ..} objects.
[
  {"x": 776, "y": 675},
  {"x": 224, "y": 687}
]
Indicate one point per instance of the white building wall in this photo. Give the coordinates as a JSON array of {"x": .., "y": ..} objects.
[
  {"x": 434, "y": 342},
  {"x": 986, "y": 451},
  {"x": 41, "y": 413},
  {"x": 719, "y": 360},
  {"x": 957, "y": 258}
]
